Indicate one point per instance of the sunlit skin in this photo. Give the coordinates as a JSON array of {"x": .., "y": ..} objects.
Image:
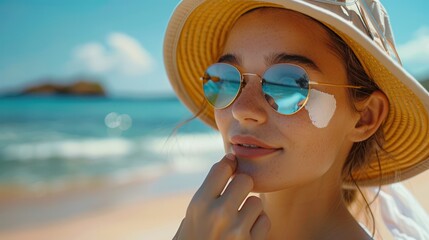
[
  {"x": 253, "y": 41},
  {"x": 300, "y": 181}
]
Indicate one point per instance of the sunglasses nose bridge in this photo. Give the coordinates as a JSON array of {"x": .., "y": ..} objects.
[
  {"x": 251, "y": 75},
  {"x": 244, "y": 82}
]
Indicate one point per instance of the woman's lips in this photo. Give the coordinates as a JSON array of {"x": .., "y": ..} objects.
[{"x": 251, "y": 147}]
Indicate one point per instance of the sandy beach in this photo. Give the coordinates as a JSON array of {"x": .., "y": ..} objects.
[
  {"x": 150, "y": 219},
  {"x": 155, "y": 217}
]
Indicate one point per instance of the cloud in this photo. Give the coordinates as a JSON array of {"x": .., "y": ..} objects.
[
  {"x": 122, "y": 55},
  {"x": 415, "y": 53}
]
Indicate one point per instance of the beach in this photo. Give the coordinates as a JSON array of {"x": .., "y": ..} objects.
[
  {"x": 75, "y": 169},
  {"x": 135, "y": 210},
  {"x": 98, "y": 168},
  {"x": 151, "y": 219},
  {"x": 156, "y": 217}
]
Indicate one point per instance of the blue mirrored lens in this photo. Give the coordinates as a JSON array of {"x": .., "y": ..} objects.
[
  {"x": 221, "y": 84},
  {"x": 286, "y": 87}
]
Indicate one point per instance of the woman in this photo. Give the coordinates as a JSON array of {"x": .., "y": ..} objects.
[{"x": 311, "y": 102}]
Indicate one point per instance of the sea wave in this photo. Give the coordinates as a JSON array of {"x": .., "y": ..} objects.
[
  {"x": 67, "y": 149},
  {"x": 114, "y": 159},
  {"x": 179, "y": 145}
]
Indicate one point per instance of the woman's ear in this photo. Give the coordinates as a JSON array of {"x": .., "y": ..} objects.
[{"x": 372, "y": 112}]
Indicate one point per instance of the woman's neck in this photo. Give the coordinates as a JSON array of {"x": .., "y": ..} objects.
[{"x": 311, "y": 212}]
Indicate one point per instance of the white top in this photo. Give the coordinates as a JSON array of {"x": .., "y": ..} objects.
[{"x": 402, "y": 214}]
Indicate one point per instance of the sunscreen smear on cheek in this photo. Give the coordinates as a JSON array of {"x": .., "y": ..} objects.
[{"x": 321, "y": 107}]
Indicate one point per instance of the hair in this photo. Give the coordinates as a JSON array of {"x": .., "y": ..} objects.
[{"x": 361, "y": 152}]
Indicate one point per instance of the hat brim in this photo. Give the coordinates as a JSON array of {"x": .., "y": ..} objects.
[{"x": 197, "y": 32}]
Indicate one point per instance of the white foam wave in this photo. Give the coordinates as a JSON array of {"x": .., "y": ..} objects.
[
  {"x": 182, "y": 151},
  {"x": 144, "y": 158},
  {"x": 69, "y": 149}
]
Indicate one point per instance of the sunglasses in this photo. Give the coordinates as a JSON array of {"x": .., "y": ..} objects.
[{"x": 286, "y": 87}]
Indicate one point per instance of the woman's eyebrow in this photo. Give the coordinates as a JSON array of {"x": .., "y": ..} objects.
[
  {"x": 229, "y": 58},
  {"x": 291, "y": 58},
  {"x": 274, "y": 59}
]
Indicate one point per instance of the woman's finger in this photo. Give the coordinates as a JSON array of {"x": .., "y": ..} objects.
[
  {"x": 261, "y": 227},
  {"x": 236, "y": 191},
  {"x": 217, "y": 177}
]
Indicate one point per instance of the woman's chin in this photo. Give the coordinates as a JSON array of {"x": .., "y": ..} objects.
[
  {"x": 256, "y": 172},
  {"x": 248, "y": 167}
]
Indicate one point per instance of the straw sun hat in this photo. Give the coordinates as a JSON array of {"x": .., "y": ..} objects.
[{"x": 197, "y": 32}]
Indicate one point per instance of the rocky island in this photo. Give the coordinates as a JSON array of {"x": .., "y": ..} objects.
[{"x": 79, "y": 88}]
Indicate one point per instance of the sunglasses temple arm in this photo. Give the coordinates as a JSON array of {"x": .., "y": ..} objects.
[{"x": 334, "y": 85}]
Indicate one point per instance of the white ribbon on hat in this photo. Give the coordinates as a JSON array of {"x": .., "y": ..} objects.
[
  {"x": 378, "y": 23},
  {"x": 402, "y": 213},
  {"x": 373, "y": 19}
]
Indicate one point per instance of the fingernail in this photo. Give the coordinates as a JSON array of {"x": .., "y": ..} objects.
[{"x": 230, "y": 156}]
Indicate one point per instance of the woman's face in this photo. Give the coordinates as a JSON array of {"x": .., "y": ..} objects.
[{"x": 283, "y": 151}]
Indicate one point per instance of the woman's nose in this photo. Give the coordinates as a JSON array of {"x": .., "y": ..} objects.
[{"x": 250, "y": 107}]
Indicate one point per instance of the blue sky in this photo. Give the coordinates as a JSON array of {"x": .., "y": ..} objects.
[{"x": 120, "y": 42}]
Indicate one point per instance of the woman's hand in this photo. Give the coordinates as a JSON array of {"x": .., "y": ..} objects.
[{"x": 213, "y": 212}]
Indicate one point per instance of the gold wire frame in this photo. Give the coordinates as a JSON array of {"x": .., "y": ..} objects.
[
  {"x": 334, "y": 85},
  {"x": 243, "y": 83}
]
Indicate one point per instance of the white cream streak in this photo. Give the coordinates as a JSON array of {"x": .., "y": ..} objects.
[{"x": 321, "y": 107}]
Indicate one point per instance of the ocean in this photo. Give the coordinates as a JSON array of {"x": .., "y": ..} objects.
[{"x": 51, "y": 143}]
